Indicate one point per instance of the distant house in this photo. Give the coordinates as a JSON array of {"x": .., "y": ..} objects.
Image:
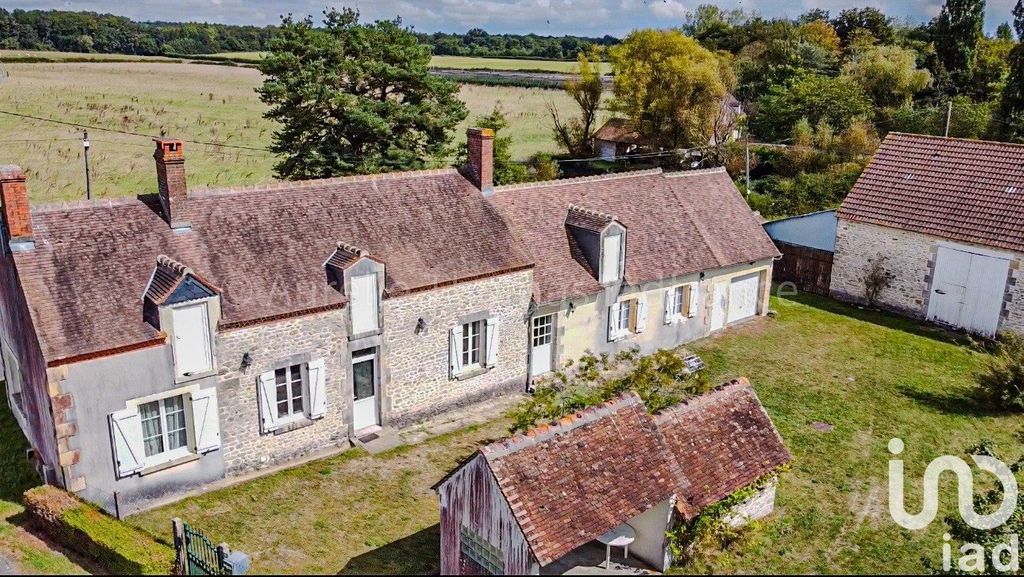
[
  {"x": 533, "y": 504},
  {"x": 617, "y": 137},
  {"x": 942, "y": 221},
  {"x": 155, "y": 344}
]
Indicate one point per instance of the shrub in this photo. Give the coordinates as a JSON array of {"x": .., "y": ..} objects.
[
  {"x": 83, "y": 528},
  {"x": 876, "y": 279},
  {"x": 1001, "y": 382}
]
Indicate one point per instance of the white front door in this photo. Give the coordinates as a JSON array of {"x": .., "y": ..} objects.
[
  {"x": 365, "y": 412},
  {"x": 191, "y": 340},
  {"x": 541, "y": 341},
  {"x": 719, "y": 305},
  {"x": 743, "y": 297},
  {"x": 967, "y": 290}
]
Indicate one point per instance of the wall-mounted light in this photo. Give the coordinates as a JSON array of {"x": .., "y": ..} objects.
[
  {"x": 702, "y": 276},
  {"x": 572, "y": 308},
  {"x": 246, "y": 361},
  {"x": 421, "y": 326}
]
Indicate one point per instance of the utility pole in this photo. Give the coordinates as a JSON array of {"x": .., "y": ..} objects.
[
  {"x": 85, "y": 145},
  {"x": 949, "y": 115},
  {"x": 746, "y": 146}
]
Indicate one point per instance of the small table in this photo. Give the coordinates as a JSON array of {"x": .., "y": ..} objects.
[{"x": 620, "y": 536}]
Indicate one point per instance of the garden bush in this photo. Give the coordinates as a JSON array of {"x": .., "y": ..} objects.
[{"x": 1000, "y": 383}]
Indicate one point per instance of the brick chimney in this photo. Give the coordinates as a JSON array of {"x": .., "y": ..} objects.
[
  {"x": 481, "y": 159},
  {"x": 14, "y": 195},
  {"x": 170, "y": 177}
]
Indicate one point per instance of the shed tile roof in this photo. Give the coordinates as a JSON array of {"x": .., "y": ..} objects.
[
  {"x": 724, "y": 440},
  {"x": 570, "y": 482},
  {"x": 618, "y": 130},
  {"x": 967, "y": 190},
  {"x": 264, "y": 247},
  {"x": 678, "y": 223}
]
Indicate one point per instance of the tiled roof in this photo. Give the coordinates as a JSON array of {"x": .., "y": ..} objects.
[
  {"x": 345, "y": 256},
  {"x": 587, "y": 219},
  {"x": 573, "y": 481},
  {"x": 264, "y": 247},
  {"x": 967, "y": 190},
  {"x": 724, "y": 440},
  {"x": 570, "y": 482},
  {"x": 618, "y": 130},
  {"x": 678, "y": 223}
]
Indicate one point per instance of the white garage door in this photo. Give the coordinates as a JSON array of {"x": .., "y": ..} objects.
[
  {"x": 743, "y": 293},
  {"x": 967, "y": 290}
]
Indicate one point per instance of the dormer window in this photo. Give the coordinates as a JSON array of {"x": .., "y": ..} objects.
[
  {"x": 359, "y": 276},
  {"x": 611, "y": 256},
  {"x": 186, "y": 308}
]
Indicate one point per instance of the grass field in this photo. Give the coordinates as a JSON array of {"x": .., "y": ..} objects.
[
  {"x": 194, "y": 102},
  {"x": 871, "y": 376}
]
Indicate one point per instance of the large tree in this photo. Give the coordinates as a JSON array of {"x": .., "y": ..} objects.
[
  {"x": 1011, "y": 102},
  {"x": 355, "y": 98},
  {"x": 669, "y": 86},
  {"x": 958, "y": 30},
  {"x": 836, "y": 101},
  {"x": 888, "y": 74},
  {"x": 576, "y": 134}
]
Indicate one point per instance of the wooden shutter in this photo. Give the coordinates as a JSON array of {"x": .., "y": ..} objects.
[
  {"x": 364, "y": 303},
  {"x": 692, "y": 295},
  {"x": 613, "y": 321},
  {"x": 126, "y": 438},
  {"x": 492, "y": 341},
  {"x": 641, "y": 315},
  {"x": 455, "y": 350},
  {"x": 317, "y": 388},
  {"x": 268, "y": 402},
  {"x": 206, "y": 420},
  {"x": 669, "y": 300},
  {"x": 192, "y": 348},
  {"x": 610, "y": 257}
]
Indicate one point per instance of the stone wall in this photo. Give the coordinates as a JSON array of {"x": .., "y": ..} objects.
[
  {"x": 417, "y": 365},
  {"x": 909, "y": 257},
  {"x": 758, "y": 506},
  {"x": 270, "y": 346}
]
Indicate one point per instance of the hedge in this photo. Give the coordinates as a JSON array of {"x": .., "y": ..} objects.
[{"x": 84, "y": 529}]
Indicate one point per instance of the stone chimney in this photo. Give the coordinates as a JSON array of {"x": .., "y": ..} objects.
[
  {"x": 480, "y": 171},
  {"x": 170, "y": 177},
  {"x": 17, "y": 218}
]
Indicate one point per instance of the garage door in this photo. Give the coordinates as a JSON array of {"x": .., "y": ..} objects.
[
  {"x": 967, "y": 290},
  {"x": 743, "y": 293}
]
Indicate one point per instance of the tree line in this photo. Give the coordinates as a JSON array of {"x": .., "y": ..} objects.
[{"x": 477, "y": 42}]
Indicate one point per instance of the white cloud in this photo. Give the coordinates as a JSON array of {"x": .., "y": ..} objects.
[{"x": 668, "y": 9}]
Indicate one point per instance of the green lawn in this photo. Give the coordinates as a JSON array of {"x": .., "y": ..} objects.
[
  {"x": 871, "y": 376},
  {"x": 17, "y": 542}
]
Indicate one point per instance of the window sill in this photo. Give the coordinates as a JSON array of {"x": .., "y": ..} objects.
[
  {"x": 293, "y": 425},
  {"x": 178, "y": 379},
  {"x": 471, "y": 373},
  {"x": 622, "y": 337},
  {"x": 366, "y": 334},
  {"x": 172, "y": 462}
]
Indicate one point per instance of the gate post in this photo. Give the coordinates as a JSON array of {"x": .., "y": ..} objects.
[{"x": 180, "y": 557}]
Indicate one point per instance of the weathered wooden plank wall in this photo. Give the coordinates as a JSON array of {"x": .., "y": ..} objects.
[{"x": 810, "y": 269}]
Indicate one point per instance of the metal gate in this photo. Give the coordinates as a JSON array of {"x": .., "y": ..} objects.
[{"x": 197, "y": 555}]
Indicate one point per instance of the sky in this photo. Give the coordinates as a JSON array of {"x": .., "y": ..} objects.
[{"x": 548, "y": 17}]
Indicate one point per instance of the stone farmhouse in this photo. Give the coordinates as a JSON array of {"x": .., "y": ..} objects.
[
  {"x": 534, "y": 503},
  {"x": 939, "y": 220},
  {"x": 155, "y": 344}
]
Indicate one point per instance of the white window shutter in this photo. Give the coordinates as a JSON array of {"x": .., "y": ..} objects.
[
  {"x": 455, "y": 350},
  {"x": 613, "y": 321},
  {"x": 611, "y": 257},
  {"x": 669, "y": 300},
  {"x": 492, "y": 341},
  {"x": 363, "y": 303},
  {"x": 691, "y": 310},
  {"x": 268, "y": 402},
  {"x": 317, "y": 372},
  {"x": 206, "y": 420},
  {"x": 126, "y": 437},
  {"x": 641, "y": 314}
]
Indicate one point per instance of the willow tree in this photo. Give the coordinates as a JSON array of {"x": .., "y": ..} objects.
[{"x": 669, "y": 86}]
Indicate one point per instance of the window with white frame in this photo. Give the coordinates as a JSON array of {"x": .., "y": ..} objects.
[
  {"x": 611, "y": 257},
  {"x": 473, "y": 346},
  {"x": 164, "y": 426},
  {"x": 677, "y": 298},
  {"x": 155, "y": 432},
  {"x": 472, "y": 343},
  {"x": 627, "y": 317},
  {"x": 681, "y": 302},
  {"x": 291, "y": 393}
]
